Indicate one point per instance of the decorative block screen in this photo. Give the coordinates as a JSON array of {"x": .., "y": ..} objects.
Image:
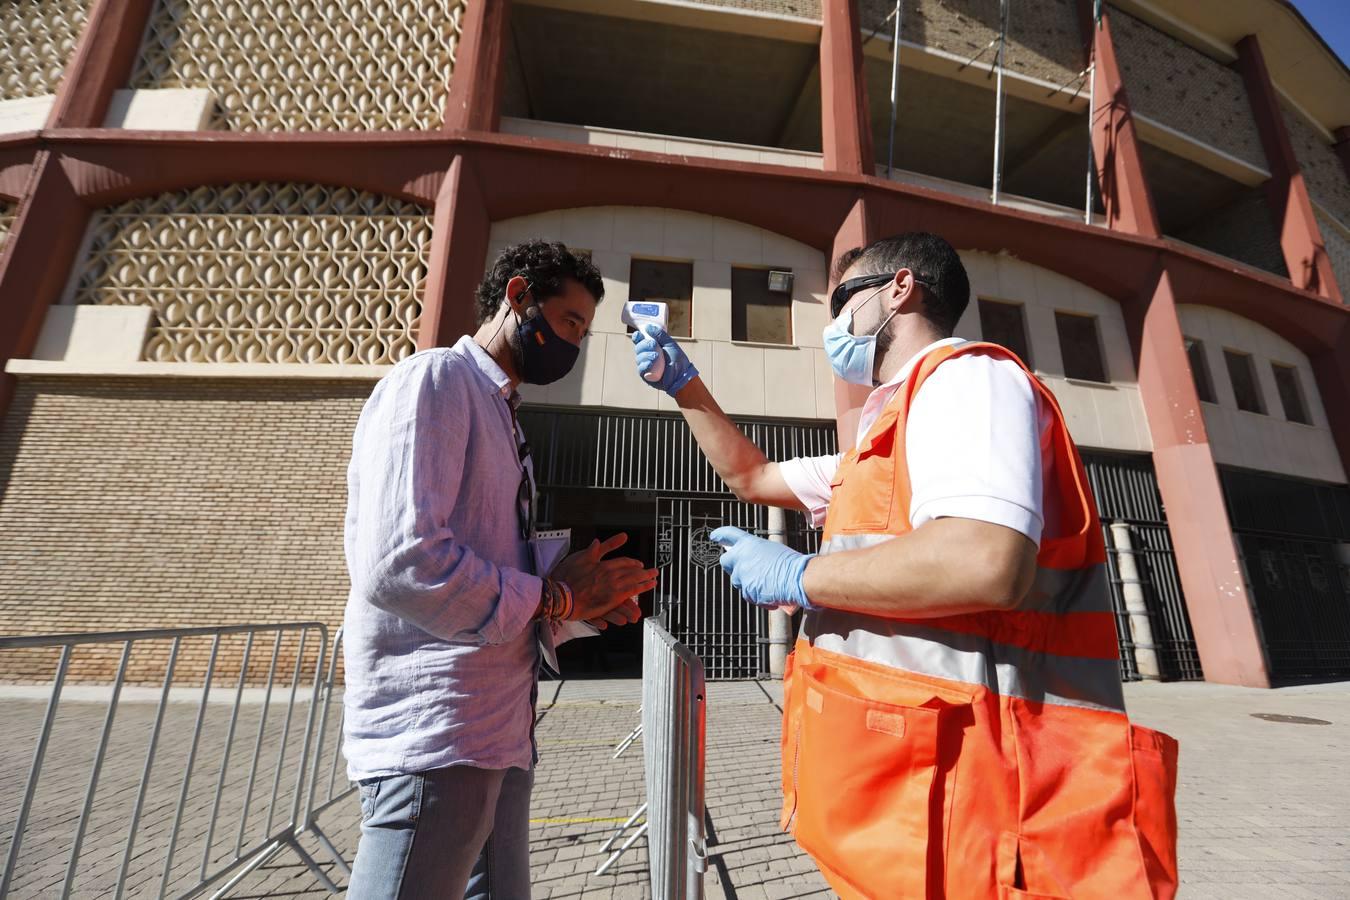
[
  {"x": 7, "y": 211},
  {"x": 293, "y": 65},
  {"x": 273, "y": 273},
  {"x": 37, "y": 38}
]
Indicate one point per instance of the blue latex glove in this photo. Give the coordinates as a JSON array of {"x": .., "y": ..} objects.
[
  {"x": 647, "y": 348},
  {"x": 766, "y": 573}
]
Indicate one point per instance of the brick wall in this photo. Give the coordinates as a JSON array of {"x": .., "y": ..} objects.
[
  {"x": 140, "y": 503},
  {"x": 1182, "y": 88},
  {"x": 797, "y": 9},
  {"x": 1322, "y": 169},
  {"x": 1244, "y": 231},
  {"x": 1043, "y": 37},
  {"x": 1338, "y": 248}
]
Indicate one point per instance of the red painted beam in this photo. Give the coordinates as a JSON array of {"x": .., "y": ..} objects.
[
  {"x": 1115, "y": 146},
  {"x": 1305, "y": 254},
  {"x": 101, "y": 64},
  {"x": 462, "y": 229},
  {"x": 475, "y": 99},
  {"x": 846, "y": 124}
]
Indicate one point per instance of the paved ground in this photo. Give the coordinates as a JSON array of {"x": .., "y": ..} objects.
[{"x": 1264, "y": 805}]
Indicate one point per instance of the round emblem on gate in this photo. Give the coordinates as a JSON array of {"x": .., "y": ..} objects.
[{"x": 703, "y": 551}]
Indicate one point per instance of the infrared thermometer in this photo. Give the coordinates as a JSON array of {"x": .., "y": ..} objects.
[{"x": 640, "y": 315}]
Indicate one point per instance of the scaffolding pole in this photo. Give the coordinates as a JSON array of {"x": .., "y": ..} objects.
[
  {"x": 895, "y": 83},
  {"x": 1092, "y": 108},
  {"x": 999, "y": 109}
]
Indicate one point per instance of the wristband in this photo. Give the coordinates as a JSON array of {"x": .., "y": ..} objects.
[{"x": 557, "y": 601}]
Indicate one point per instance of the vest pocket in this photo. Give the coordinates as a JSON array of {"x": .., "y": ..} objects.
[{"x": 864, "y": 777}]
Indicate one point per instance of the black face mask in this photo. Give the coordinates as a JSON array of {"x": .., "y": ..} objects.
[{"x": 544, "y": 357}]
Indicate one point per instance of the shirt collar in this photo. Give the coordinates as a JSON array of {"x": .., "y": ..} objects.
[
  {"x": 495, "y": 379},
  {"x": 908, "y": 368},
  {"x": 879, "y": 396}
]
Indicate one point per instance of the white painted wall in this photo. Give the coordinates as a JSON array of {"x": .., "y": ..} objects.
[
  {"x": 1252, "y": 440},
  {"x": 1105, "y": 416},
  {"x": 747, "y": 379}
]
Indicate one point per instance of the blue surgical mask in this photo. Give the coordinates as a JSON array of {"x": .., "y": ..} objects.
[{"x": 853, "y": 357}]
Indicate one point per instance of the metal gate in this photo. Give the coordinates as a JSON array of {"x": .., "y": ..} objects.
[
  {"x": 1294, "y": 538},
  {"x": 1127, "y": 495},
  {"x": 701, "y": 608}
]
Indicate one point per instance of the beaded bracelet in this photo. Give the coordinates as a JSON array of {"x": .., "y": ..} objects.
[{"x": 557, "y": 602}]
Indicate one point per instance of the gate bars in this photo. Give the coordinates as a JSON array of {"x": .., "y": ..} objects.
[
  {"x": 673, "y": 748},
  {"x": 246, "y": 845}
]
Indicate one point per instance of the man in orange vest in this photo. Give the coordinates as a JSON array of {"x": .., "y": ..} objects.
[{"x": 953, "y": 724}]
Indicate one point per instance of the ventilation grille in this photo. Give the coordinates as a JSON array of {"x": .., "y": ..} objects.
[
  {"x": 264, "y": 273},
  {"x": 294, "y": 65}
]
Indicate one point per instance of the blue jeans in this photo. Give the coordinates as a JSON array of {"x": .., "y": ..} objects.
[{"x": 444, "y": 834}]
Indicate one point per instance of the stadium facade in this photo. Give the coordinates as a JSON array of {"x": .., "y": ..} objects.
[{"x": 220, "y": 222}]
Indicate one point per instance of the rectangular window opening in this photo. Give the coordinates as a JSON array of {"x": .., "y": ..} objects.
[
  {"x": 1242, "y": 374},
  {"x": 1005, "y": 324},
  {"x": 1195, "y": 354},
  {"x": 1291, "y": 394},
  {"x": 670, "y": 282},
  {"x": 757, "y": 313},
  {"x": 1081, "y": 347}
]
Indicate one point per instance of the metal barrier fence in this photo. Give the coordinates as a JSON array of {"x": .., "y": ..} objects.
[
  {"x": 333, "y": 794},
  {"x": 673, "y": 709},
  {"x": 163, "y": 867}
]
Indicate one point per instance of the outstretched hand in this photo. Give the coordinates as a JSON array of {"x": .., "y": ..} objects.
[
  {"x": 650, "y": 345},
  {"x": 766, "y": 573}
]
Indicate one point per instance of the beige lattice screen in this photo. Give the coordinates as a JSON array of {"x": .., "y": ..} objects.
[
  {"x": 264, "y": 272},
  {"x": 7, "y": 211},
  {"x": 37, "y": 38},
  {"x": 296, "y": 65}
]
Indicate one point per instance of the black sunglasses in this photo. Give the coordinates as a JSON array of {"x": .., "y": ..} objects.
[{"x": 839, "y": 297}]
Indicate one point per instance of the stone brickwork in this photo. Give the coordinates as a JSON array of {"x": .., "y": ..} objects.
[
  {"x": 1043, "y": 37},
  {"x": 1338, "y": 248},
  {"x": 1184, "y": 89},
  {"x": 1244, "y": 231},
  {"x": 794, "y": 9},
  {"x": 145, "y": 503},
  {"x": 1322, "y": 169}
]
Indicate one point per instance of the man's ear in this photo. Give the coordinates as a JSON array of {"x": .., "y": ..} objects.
[
  {"x": 902, "y": 291},
  {"x": 518, "y": 294}
]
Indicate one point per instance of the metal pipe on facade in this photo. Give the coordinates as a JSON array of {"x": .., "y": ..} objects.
[
  {"x": 1136, "y": 606},
  {"x": 1092, "y": 107},
  {"x": 895, "y": 83},
  {"x": 1000, "y": 111}
]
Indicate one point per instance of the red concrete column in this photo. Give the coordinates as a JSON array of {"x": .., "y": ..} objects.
[
  {"x": 458, "y": 251},
  {"x": 1226, "y": 631},
  {"x": 1115, "y": 147},
  {"x": 846, "y": 125},
  {"x": 1305, "y": 254},
  {"x": 857, "y": 230},
  {"x": 36, "y": 260},
  {"x": 101, "y": 64},
  {"x": 475, "y": 101},
  {"x": 1331, "y": 367}
]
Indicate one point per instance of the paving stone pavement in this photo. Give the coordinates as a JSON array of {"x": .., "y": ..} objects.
[{"x": 1264, "y": 806}]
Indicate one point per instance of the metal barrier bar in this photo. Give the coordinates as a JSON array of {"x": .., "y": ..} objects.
[
  {"x": 673, "y": 702},
  {"x": 249, "y": 852},
  {"x": 315, "y": 807}
]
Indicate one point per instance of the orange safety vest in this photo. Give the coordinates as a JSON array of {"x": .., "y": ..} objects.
[{"x": 981, "y": 755}]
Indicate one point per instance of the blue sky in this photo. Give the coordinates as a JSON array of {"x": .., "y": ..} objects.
[{"x": 1331, "y": 18}]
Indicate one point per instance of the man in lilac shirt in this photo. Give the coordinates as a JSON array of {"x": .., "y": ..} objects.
[{"x": 447, "y": 611}]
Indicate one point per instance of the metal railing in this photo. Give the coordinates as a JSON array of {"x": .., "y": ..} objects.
[
  {"x": 334, "y": 792},
  {"x": 250, "y": 840},
  {"x": 673, "y": 710}
]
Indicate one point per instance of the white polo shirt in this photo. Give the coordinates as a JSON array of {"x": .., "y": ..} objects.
[{"x": 977, "y": 443}]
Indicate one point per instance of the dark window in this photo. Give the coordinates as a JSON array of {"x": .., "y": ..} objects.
[
  {"x": 1243, "y": 375},
  {"x": 1005, "y": 324},
  {"x": 757, "y": 313},
  {"x": 1204, "y": 385},
  {"x": 670, "y": 282},
  {"x": 1291, "y": 394},
  {"x": 1080, "y": 347}
]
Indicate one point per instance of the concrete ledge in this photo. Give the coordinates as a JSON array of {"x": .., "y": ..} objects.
[
  {"x": 25, "y": 113},
  {"x": 317, "y": 371}
]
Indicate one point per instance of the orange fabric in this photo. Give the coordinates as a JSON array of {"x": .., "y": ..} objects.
[{"x": 902, "y": 784}]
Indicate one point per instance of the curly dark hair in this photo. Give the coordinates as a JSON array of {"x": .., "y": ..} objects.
[{"x": 546, "y": 266}]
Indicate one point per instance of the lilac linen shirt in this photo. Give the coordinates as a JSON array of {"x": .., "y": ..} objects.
[{"x": 440, "y": 651}]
